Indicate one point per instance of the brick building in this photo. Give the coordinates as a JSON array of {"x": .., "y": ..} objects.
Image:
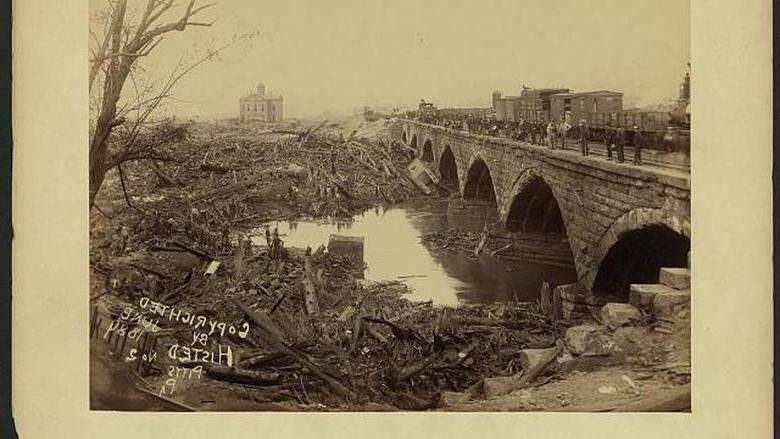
[{"x": 260, "y": 106}]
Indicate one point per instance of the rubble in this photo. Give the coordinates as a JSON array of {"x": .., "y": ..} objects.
[
  {"x": 677, "y": 278},
  {"x": 669, "y": 303},
  {"x": 615, "y": 315},
  {"x": 589, "y": 340},
  {"x": 311, "y": 336}
]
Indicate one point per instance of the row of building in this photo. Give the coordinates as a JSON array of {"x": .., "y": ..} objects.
[{"x": 594, "y": 107}]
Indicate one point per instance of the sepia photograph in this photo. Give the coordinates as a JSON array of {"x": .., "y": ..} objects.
[{"x": 363, "y": 206}]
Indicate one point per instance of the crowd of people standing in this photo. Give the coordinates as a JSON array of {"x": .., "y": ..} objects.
[{"x": 553, "y": 134}]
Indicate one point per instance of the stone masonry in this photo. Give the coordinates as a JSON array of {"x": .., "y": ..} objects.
[{"x": 599, "y": 200}]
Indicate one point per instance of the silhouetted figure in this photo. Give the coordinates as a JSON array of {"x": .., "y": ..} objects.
[
  {"x": 609, "y": 139},
  {"x": 621, "y": 144},
  {"x": 637, "y": 146},
  {"x": 584, "y": 134}
]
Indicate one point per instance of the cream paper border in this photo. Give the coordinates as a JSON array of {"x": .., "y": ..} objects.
[{"x": 732, "y": 305}]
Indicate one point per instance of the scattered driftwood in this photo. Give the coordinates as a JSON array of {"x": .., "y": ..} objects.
[
  {"x": 236, "y": 375},
  {"x": 149, "y": 270},
  {"x": 163, "y": 179},
  {"x": 399, "y": 332},
  {"x": 501, "y": 250},
  {"x": 270, "y": 335},
  {"x": 482, "y": 239},
  {"x": 192, "y": 250},
  {"x": 218, "y": 169},
  {"x": 409, "y": 371}
]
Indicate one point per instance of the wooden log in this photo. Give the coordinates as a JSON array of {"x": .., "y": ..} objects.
[
  {"x": 164, "y": 179},
  {"x": 237, "y": 375},
  {"x": 192, "y": 250},
  {"x": 482, "y": 240},
  {"x": 545, "y": 298},
  {"x": 269, "y": 331},
  {"x": 310, "y": 287},
  {"x": 409, "y": 371},
  {"x": 497, "y": 251},
  {"x": 218, "y": 169},
  {"x": 555, "y": 312},
  {"x": 266, "y": 359}
]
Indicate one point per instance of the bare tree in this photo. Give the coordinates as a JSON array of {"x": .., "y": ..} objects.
[{"x": 123, "y": 43}]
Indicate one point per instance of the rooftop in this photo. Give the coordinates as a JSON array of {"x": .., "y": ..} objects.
[
  {"x": 594, "y": 92},
  {"x": 259, "y": 97}
]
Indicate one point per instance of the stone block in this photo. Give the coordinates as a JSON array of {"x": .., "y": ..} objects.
[
  {"x": 615, "y": 315},
  {"x": 575, "y": 293},
  {"x": 588, "y": 340},
  {"x": 678, "y": 278},
  {"x": 641, "y": 295},
  {"x": 669, "y": 303},
  {"x": 532, "y": 357},
  {"x": 350, "y": 246}
]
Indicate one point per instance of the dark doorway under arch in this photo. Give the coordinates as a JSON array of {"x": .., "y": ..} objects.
[
  {"x": 448, "y": 169},
  {"x": 427, "y": 152},
  {"x": 535, "y": 209},
  {"x": 637, "y": 257},
  {"x": 479, "y": 184},
  {"x": 403, "y": 136}
]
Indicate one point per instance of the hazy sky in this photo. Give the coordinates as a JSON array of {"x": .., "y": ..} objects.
[{"x": 339, "y": 55}]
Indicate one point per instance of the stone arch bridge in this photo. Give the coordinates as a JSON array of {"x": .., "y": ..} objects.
[{"x": 622, "y": 222}]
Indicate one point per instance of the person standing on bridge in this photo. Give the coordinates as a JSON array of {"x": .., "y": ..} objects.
[
  {"x": 551, "y": 135},
  {"x": 563, "y": 131},
  {"x": 637, "y": 146},
  {"x": 584, "y": 134},
  {"x": 620, "y": 142},
  {"x": 609, "y": 139}
]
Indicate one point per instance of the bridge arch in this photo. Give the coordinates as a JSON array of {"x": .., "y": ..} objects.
[
  {"x": 479, "y": 182},
  {"x": 635, "y": 247},
  {"x": 448, "y": 167},
  {"x": 427, "y": 151},
  {"x": 403, "y": 137},
  {"x": 533, "y": 207}
]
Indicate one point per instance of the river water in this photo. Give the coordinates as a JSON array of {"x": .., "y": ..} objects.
[{"x": 394, "y": 251}]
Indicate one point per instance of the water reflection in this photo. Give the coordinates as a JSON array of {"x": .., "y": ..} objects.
[{"x": 393, "y": 251}]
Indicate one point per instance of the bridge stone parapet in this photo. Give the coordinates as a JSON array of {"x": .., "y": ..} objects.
[{"x": 600, "y": 202}]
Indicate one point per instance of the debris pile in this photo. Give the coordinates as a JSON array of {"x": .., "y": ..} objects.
[
  {"x": 360, "y": 345},
  {"x": 208, "y": 318}
]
